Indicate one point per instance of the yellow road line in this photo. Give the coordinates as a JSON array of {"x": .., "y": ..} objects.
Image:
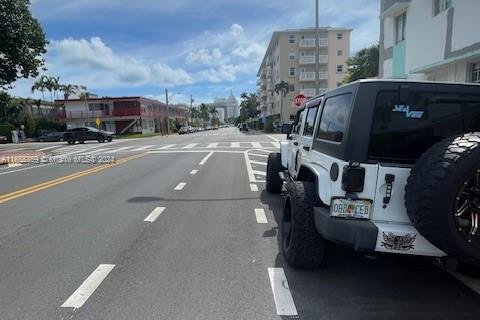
[{"x": 51, "y": 183}]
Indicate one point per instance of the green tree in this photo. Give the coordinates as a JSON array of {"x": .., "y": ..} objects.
[
  {"x": 204, "y": 112},
  {"x": 22, "y": 42},
  {"x": 363, "y": 65},
  {"x": 248, "y": 106},
  {"x": 281, "y": 88},
  {"x": 40, "y": 85}
]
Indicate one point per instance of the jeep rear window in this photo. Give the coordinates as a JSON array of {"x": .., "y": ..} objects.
[
  {"x": 401, "y": 132},
  {"x": 334, "y": 118}
]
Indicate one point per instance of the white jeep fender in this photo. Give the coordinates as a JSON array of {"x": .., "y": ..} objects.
[{"x": 284, "y": 152}]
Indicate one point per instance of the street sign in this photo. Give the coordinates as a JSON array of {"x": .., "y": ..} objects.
[
  {"x": 299, "y": 99},
  {"x": 98, "y": 121}
]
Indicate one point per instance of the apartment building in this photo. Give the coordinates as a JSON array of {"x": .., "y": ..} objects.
[
  {"x": 290, "y": 57},
  {"x": 121, "y": 114},
  {"x": 430, "y": 40}
]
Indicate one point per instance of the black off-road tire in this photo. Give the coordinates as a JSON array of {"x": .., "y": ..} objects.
[
  {"x": 303, "y": 247},
  {"x": 109, "y": 139},
  {"x": 70, "y": 140},
  {"x": 81, "y": 141},
  {"x": 274, "y": 166},
  {"x": 101, "y": 139},
  {"x": 431, "y": 192}
]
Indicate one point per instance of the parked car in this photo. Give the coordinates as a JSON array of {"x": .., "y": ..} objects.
[
  {"x": 183, "y": 130},
  {"x": 50, "y": 136},
  {"x": 86, "y": 133},
  {"x": 3, "y": 139},
  {"x": 381, "y": 166}
]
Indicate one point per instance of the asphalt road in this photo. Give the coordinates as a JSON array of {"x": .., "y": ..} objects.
[{"x": 74, "y": 243}]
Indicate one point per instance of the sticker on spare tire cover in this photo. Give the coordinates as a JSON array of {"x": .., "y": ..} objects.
[{"x": 397, "y": 242}]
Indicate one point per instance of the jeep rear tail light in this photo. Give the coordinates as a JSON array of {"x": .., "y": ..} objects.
[{"x": 353, "y": 177}]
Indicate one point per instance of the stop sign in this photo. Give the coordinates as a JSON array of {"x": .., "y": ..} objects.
[{"x": 298, "y": 100}]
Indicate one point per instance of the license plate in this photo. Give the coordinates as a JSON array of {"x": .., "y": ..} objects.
[{"x": 350, "y": 208}]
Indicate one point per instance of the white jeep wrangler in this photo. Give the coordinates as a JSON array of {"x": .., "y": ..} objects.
[{"x": 385, "y": 166}]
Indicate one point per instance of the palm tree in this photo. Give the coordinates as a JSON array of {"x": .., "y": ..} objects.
[
  {"x": 40, "y": 85},
  {"x": 68, "y": 90},
  {"x": 204, "y": 112},
  {"x": 281, "y": 88}
]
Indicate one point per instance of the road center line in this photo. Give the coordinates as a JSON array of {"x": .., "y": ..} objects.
[
  {"x": 253, "y": 187},
  {"x": 154, "y": 214},
  {"x": 81, "y": 295},
  {"x": 281, "y": 292},
  {"x": 204, "y": 160},
  {"x": 180, "y": 186},
  {"x": 260, "y": 215},
  {"x": 194, "y": 171}
]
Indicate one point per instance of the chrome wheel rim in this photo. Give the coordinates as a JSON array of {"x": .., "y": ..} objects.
[{"x": 467, "y": 209}]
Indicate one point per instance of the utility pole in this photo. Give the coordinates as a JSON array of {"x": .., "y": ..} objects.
[
  {"x": 168, "y": 111},
  {"x": 317, "y": 51}
]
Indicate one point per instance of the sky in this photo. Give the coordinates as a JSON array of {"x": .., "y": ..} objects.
[{"x": 201, "y": 48}]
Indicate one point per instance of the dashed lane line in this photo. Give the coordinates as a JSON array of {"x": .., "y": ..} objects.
[
  {"x": 204, "y": 160},
  {"x": 260, "y": 215},
  {"x": 180, "y": 186},
  {"x": 88, "y": 287},
  {"x": 253, "y": 187},
  {"x": 281, "y": 293},
  {"x": 194, "y": 171},
  {"x": 154, "y": 214}
]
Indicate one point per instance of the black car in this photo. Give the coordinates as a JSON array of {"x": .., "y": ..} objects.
[
  {"x": 86, "y": 133},
  {"x": 50, "y": 136}
]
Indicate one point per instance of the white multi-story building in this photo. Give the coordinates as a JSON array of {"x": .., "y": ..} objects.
[
  {"x": 290, "y": 57},
  {"x": 434, "y": 40},
  {"x": 233, "y": 109}
]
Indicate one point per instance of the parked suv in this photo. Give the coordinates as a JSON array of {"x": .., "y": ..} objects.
[
  {"x": 382, "y": 166},
  {"x": 86, "y": 133}
]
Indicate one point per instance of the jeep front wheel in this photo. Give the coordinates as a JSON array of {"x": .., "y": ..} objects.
[
  {"x": 274, "y": 166},
  {"x": 442, "y": 196},
  {"x": 303, "y": 247}
]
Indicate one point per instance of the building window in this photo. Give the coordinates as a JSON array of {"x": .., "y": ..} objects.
[
  {"x": 340, "y": 68},
  {"x": 400, "y": 25},
  {"x": 339, "y": 36},
  {"x": 291, "y": 87},
  {"x": 291, "y": 38},
  {"x": 440, "y": 6},
  {"x": 339, "y": 52},
  {"x": 291, "y": 56},
  {"x": 476, "y": 72},
  {"x": 291, "y": 72}
]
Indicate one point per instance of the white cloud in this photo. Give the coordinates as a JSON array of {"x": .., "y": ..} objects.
[
  {"x": 164, "y": 74},
  {"x": 205, "y": 56}
]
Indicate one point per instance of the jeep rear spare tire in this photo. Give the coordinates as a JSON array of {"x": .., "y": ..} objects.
[
  {"x": 303, "y": 247},
  {"x": 442, "y": 196},
  {"x": 274, "y": 166}
]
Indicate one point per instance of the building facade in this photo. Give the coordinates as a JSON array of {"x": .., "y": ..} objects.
[
  {"x": 290, "y": 57},
  {"x": 233, "y": 109},
  {"x": 121, "y": 114},
  {"x": 430, "y": 40}
]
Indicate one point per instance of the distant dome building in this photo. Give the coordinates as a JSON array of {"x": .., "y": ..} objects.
[{"x": 233, "y": 109}]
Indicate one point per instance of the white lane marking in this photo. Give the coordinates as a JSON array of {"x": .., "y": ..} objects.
[
  {"x": 261, "y": 173},
  {"x": 194, "y": 171},
  {"x": 251, "y": 176},
  {"x": 120, "y": 149},
  {"x": 256, "y": 144},
  {"x": 262, "y": 150},
  {"x": 273, "y": 138},
  {"x": 212, "y": 145},
  {"x": 205, "y": 159},
  {"x": 258, "y": 162},
  {"x": 47, "y": 148},
  {"x": 180, "y": 186},
  {"x": 190, "y": 146},
  {"x": 80, "y": 296},
  {"x": 194, "y": 151},
  {"x": 275, "y": 144},
  {"x": 94, "y": 151},
  {"x": 235, "y": 145},
  {"x": 260, "y": 215},
  {"x": 168, "y": 146},
  {"x": 28, "y": 168},
  {"x": 258, "y": 155},
  {"x": 253, "y": 187},
  {"x": 154, "y": 214},
  {"x": 143, "y": 148},
  {"x": 281, "y": 292}
]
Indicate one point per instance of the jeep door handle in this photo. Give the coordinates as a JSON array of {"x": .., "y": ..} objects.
[
  {"x": 295, "y": 143},
  {"x": 306, "y": 148}
]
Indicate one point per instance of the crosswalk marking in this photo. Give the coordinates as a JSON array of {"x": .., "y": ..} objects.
[
  {"x": 212, "y": 145},
  {"x": 235, "y": 145},
  {"x": 143, "y": 148},
  {"x": 275, "y": 144},
  {"x": 256, "y": 145},
  {"x": 168, "y": 146},
  {"x": 95, "y": 151},
  {"x": 120, "y": 149},
  {"x": 190, "y": 146}
]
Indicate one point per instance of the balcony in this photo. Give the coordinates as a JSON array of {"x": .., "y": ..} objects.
[
  {"x": 268, "y": 60},
  {"x": 310, "y": 92},
  {"x": 310, "y": 43},
  {"x": 269, "y": 86},
  {"x": 81, "y": 114},
  {"x": 310, "y": 59},
  {"x": 269, "y": 99},
  {"x": 307, "y": 76},
  {"x": 269, "y": 73}
]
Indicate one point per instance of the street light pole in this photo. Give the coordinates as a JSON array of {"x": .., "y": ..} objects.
[
  {"x": 317, "y": 51},
  {"x": 168, "y": 111}
]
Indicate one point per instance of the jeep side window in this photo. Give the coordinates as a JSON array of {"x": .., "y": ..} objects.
[
  {"x": 299, "y": 123},
  {"x": 401, "y": 132},
  {"x": 310, "y": 122},
  {"x": 333, "y": 123}
]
